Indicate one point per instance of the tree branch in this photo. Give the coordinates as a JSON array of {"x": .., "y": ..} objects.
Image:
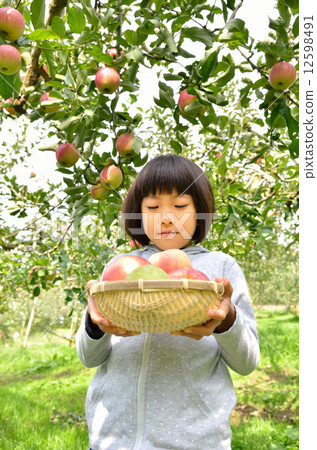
[
  {"x": 253, "y": 203},
  {"x": 55, "y": 9},
  {"x": 234, "y": 12}
]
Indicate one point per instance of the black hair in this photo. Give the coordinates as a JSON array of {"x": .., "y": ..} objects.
[{"x": 163, "y": 174}]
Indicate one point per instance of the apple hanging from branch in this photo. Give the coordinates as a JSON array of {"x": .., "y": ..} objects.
[
  {"x": 10, "y": 59},
  {"x": 12, "y": 23},
  {"x": 111, "y": 177},
  {"x": 67, "y": 155},
  {"x": 282, "y": 75},
  {"x": 107, "y": 80},
  {"x": 99, "y": 192},
  {"x": 189, "y": 104},
  {"x": 128, "y": 145},
  {"x": 46, "y": 103}
]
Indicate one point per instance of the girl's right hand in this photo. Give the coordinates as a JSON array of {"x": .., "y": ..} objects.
[{"x": 103, "y": 323}]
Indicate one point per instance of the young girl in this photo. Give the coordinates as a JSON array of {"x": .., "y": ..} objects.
[{"x": 170, "y": 390}]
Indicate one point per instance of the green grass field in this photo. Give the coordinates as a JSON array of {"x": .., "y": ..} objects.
[{"x": 42, "y": 394}]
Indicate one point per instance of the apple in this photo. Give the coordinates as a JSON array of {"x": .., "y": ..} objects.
[
  {"x": 98, "y": 192},
  {"x": 32, "y": 174},
  {"x": 10, "y": 110},
  {"x": 282, "y": 75},
  {"x": 171, "y": 259},
  {"x": 113, "y": 52},
  {"x": 12, "y": 23},
  {"x": 186, "y": 99},
  {"x": 111, "y": 177},
  {"x": 107, "y": 80},
  {"x": 190, "y": 274},
  {"x": 147, "y": 272},
  {"x": 67, "y": 155},
  {"x": 49, "y": 274},
  {"x": 121, "y": 267},
  {"x": 10, "y": 59},
  {"x": 124, "y": 145},
  {"x": 49, "y": 108}
]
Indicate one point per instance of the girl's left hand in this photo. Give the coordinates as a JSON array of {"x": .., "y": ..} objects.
[{"x": 221, "y": 319}]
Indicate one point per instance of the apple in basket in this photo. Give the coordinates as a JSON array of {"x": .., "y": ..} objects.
[
  {"x": 171, "y": 259},
  {"x": 191, "y": 274},
  {"x": 121, "y": 267},
  {"x": 148, "y": 272}
]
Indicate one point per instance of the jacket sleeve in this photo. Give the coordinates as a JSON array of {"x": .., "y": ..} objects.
[
  {"x": 239, "y": 346},
  {"x": 92, "y": 352}
]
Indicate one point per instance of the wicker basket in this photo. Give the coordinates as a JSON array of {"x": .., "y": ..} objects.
[{"x": 156, "y": 306}]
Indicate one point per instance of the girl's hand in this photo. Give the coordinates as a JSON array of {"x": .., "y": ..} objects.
[
  {"x": 103, "y": 323},
  {"x": 221, "y": 319}
]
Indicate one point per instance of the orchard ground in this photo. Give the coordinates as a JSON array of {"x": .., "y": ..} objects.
[{"x": 43, "y": 392}]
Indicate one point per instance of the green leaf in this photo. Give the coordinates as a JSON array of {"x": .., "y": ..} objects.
[
  {"x": 82, "y": 188},
  {"x": 36, "y": 291},
  {"x": 209, "y": 64},
  {"x": 136, "y": 55},
  {"x": 199, "y": 34},
  {"x": 76, "y": 19},
  {"x": 38, "y": 13},
  {"x": 176, "y": 146},
  {"x": 6, "y": 85},
  {"x": 131, "y": 37},
  {"x": 91, "y": 16},
  {"x": 40, "y": 34},
  {"x": 58, "y": 26}
]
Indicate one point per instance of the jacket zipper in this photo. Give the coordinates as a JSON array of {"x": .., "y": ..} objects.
[{"x": 140, "y": 392}]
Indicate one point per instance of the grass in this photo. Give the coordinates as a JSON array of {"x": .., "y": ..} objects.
[{"x": 42, "y": 394}]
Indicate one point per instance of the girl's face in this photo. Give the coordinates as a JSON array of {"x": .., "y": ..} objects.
[{"x": 169, "y": 220}]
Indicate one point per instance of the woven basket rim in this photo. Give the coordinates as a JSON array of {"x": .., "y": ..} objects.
[{"x": 156, "y": 285}]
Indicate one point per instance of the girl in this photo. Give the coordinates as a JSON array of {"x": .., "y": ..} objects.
[{"x": 170, "y": 390}]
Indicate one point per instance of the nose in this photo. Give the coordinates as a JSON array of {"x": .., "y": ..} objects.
[{"x": 166, "y": 218}]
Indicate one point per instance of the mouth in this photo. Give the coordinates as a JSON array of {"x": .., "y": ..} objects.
[{"x": 168, "y": 233}]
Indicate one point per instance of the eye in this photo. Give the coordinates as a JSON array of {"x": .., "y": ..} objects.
[
  {"x": 180, "y": 206},
  {"x": 152, "y": 207}
]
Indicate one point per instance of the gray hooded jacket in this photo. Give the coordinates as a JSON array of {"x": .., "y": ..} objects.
[{"x": 159, "y": 391}]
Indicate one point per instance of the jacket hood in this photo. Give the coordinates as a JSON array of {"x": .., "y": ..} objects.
[{"x": 190, "y": 250}]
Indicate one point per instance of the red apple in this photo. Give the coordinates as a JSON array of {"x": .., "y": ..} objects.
[
  {"x": 32, "y": 174},
  {"x": 171, "y": 259},
  {"x": 10, "y": 59},
  {"x": 147, "y": 272},
  {"x": 111, "y": 177},
  {"x": 107, "y": 80},
  {"x": 113, "y": 52},
  {"x": 185, "y": 100},
  {"x": 12, "y": 23},
  {"x": 124, "y": 145},
  {"x": 47, "y": 107},
  {"x": 99, "y": 192},
  {"x": 119, "y": 269},
  {"x": 67, "y": 155},
  {"x": 282, "y": 75},
  {"x": 190, "y": 274}
]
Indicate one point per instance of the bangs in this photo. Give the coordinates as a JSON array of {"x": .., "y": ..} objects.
[{"x": 165, "y": 175}]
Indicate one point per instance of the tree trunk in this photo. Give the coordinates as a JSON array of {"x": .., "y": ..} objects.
[{"x": 28, "y": 329}]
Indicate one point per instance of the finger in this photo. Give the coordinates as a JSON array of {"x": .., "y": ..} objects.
[
  {"x": 204, "y": 330},
  {"x": 220, "y": 313},
  {"x": 89, "y": 284}
]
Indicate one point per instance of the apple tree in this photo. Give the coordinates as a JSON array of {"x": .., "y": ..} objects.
[{"x": 226, "y": 100}]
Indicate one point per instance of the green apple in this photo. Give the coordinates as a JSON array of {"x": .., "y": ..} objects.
[{"x": 147, "y": 273}]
